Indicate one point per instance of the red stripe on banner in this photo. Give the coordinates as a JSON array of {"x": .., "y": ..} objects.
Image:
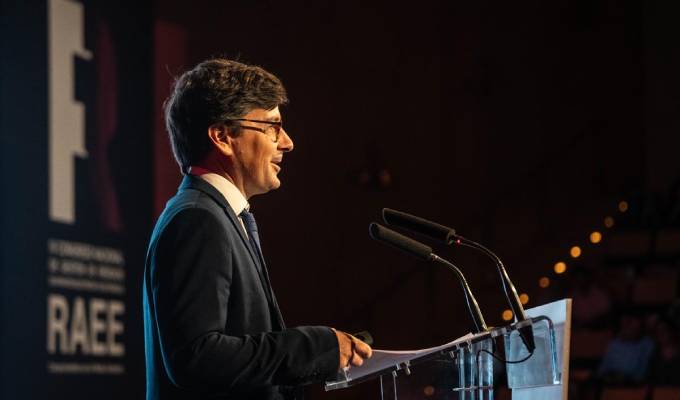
[{"x": 107, "y": 121}]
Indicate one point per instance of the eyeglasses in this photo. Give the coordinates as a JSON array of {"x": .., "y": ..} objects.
[{"x": 273, "y": 131}]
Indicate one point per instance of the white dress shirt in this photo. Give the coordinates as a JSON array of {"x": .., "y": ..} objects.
[{"x": 237, "y": 201}]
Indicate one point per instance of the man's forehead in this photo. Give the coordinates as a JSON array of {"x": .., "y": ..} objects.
[{"x": 267, "y": 115}]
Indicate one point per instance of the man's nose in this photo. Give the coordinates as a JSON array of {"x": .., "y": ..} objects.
[{"x": 285, "y": 142}]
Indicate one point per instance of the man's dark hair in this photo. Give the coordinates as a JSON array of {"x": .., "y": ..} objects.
[{"x": 215, "y": 91}]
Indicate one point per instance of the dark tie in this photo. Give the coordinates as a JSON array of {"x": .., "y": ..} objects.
[
  {"x": 254, "y": 238},
  {"x": 251, "y": 227}
]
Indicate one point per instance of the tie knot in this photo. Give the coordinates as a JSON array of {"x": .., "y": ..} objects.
[
  {"x": 249, "y": 221},
  {"x": 251, "y": 227}
]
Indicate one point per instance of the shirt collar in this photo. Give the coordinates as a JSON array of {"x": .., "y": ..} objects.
[{"x": 237, "y": 201}]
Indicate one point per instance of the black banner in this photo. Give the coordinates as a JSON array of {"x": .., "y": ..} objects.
[{"x": 75, "y": 125}]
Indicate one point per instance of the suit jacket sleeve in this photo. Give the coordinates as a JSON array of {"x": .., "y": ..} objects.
[{"x": 191, "y": 273}]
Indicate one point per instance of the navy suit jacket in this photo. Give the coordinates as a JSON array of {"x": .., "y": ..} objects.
[{"x": 211, "y": 323}]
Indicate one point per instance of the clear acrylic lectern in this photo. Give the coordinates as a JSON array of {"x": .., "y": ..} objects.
[{"x": 464, "y": 368}]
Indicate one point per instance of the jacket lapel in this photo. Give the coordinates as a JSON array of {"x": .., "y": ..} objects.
[{"x": 192, "y": 182}]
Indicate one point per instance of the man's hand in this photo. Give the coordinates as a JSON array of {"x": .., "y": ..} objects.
[{"x": 352, "y": 350}]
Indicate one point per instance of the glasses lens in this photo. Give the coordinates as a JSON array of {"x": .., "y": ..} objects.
[{"x": 273, "y": 132}]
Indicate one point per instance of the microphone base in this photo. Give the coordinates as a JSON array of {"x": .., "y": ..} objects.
[{"x": 527, "y": 335}]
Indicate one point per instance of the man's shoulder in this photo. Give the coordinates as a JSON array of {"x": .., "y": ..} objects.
[
  {"x": 190, "y": 198},
  {"x": 194, "y": 205}
]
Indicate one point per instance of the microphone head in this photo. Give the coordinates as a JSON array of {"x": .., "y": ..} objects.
[
  {"x": 418, "y": 225},
  {"x": 399, "y": 241}
]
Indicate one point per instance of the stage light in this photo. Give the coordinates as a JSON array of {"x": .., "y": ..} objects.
[
  {"x": 507, "y": 315},
  {"x": 575, "y": 252},
  {"x": 560, "y": 267},
  {"x": 623, "y": 206},
  {"x": 595, "y": 237},
  {"x": 524, "y": 298},
  {"x": 609, "y": 222},
  {"x": 544, "y": 282}
]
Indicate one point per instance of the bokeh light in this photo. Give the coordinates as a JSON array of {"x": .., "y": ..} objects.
[
  {"x": 560, "y": 267},
  {"x": 623, "y": 206},
  {"x": 507, "y": 315},
  {"x": 595, "y": 237},
  {"x": 524, "y": 298},
  {"x": 428, "y": 390},
  {"x": 608, "y": 222},
  {"x": 544, "y": 282},
  {"x": 575, "y": 252}
]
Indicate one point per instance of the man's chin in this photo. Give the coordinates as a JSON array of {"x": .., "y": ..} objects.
[
  {"x": 274, "y": 184},
  {"x": 264, "y": 188}
]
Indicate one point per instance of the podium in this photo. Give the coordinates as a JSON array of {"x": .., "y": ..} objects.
[{"x": 464, "y": 368}]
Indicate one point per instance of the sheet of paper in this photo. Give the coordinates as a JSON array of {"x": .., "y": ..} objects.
[{"x": 383, "y": 359}]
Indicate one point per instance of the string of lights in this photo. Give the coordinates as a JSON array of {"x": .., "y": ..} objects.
[{"x": 560, "y": 267}]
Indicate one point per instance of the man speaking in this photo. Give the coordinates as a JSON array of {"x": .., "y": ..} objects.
[{"x": 213, "y": 328}]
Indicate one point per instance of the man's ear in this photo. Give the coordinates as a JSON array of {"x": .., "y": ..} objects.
[{"x": 219, "y": 136}]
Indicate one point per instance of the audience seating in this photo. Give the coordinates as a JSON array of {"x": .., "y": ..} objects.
[
  {"x": 668, "y": 242},
  {"x": 588, "y": 344},
  {"x": 654, "y": 290},
  {"x": 666, "y": 393},
  {"x": 624, "y": 393},
  {"x": 629, "y": 244}
]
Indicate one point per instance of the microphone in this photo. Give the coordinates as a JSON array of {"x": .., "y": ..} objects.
[
  {"x": 400, "y": 242},
  {"x": 423, "y": 252},
  {"x": 448, "y": 236},
  {"x": 418, "y": 225}
]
